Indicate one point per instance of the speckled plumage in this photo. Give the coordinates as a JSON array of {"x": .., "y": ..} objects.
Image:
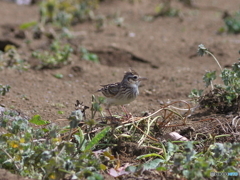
[{"x": 122, "y": 92}]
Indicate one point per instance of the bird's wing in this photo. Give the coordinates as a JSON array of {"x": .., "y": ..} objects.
[{"x": 110, "y": 90}]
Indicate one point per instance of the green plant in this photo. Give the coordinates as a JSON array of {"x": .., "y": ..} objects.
[
  {"x": 163, "y": 9},
  {"x": 218, "y": 158},
  {"x": 96, "y": 105},
  {"x": 202, "y": 51},
  {"x": 4, "y": 89},
  {"x": 27, "y": 25},
  {"x": 58, "y": 76},
  {"x": 232, "y": 23},
  {"x": 209, "y": 77},
  {"x": 10, "y": 58},
  {"x": 43, "y": 153},
  {"x": 63, "y": 13},
  {"x": 59, "y": 15},
  {"x": 56, "y": 57},
  {"x": 183, "y": 160},
  {"x": 195, "y": 93},
  {"x": 223, "y": 97},
  {"x": 86, "y": 55},
  {"x": 87, "y": 147}
]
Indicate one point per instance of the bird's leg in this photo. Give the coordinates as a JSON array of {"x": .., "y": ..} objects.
[
  {"x": 111, "y": 116},
  {"x": 128, "y": 115},
  {"x": 109, "y": 112}
]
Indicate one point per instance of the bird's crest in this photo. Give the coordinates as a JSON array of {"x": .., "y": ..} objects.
[{"x": 131, "y": 71}]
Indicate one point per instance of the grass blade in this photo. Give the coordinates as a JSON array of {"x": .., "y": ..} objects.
[{"x": 97, "y": 138}]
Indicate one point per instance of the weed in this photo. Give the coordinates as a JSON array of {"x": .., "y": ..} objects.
[
  {"x": 60, "y": 112},
  {"x": 232, "y": 23},
  {"x": 65, "y": 13},
  {"x": 27, "y": 25},
  {"x": 43, "y": 153},
  {"x": 202, "y": 51},
  {"x": 58, "y": 76},
  {"x": 83, "y": 149},
  {"x": 163, "y": 9},
  {"x": 96, "y": 105},
  {"x": 10, "y": 58},
  {"x": 223, "y": 97},
  {"x": 59, "y": 15},
  {"x": 4, "y": 89},
  {"x": 195, "y": 93},
  {"x": 183, "y": 160},
  {"x": 55, "y": 58},
  {"x": 86, "y": 55}
]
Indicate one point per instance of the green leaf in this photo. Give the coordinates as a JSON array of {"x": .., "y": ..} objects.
[
  {"x": 195, "y": 93},
  {"x": 95, "y": 176},
  {"x": 97, "y": 138},
  {"x": 27, "y": 25},
  {"x": 161, "y": 168},
  {"x": 89, "y": 56},
  {"x": 58, "y": 76},
  {"x": 186, "y": 173},
  {"x": 75, "y": 118},
  {"x": 70, "y": 148},
  {"x": 171, "y": 148},
  {"x": 233, "y": 23},
  {"x": 101, "y": 99},
  {"x": 209, "y": 77},
  {"x": 80, "y": 139},
  {"x": 36, "y": 119},
  {"x": 81, "y": 135},
  {"x": 4, "y": 89},
  {"x": 131, "y": 169},
  {"x": 149, "y": 155},
  {"x": 60, "y": 112},
  {"x": 152, "y": 164},
  {"x": 77, "y": 138}
]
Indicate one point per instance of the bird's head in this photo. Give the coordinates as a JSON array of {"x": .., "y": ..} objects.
[{"x": 132, "y": 77}]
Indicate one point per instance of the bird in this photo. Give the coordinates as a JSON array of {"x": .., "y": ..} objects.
[{"x": 123, "y": 92}]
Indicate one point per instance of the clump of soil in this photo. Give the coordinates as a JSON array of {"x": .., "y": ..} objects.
[{"x": 216, "y": 101}]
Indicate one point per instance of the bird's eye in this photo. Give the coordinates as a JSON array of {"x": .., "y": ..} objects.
[{"x": 133, "y": 78}]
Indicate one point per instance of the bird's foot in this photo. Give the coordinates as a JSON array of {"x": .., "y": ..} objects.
[{"x": 127, "y": 117}]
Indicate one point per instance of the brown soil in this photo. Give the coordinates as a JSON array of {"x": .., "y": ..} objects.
[{"x": 163, "y": 50}]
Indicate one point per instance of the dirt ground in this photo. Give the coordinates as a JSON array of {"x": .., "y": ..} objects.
[{"x": 163, "y": 50}]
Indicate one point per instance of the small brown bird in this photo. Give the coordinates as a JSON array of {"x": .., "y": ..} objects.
[{"x": 122, "y": 92}]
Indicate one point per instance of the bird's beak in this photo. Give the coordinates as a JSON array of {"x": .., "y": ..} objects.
[{"x": 142, "y": 78}]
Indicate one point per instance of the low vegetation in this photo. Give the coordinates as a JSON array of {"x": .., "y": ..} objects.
[
  {"x": 232, "y": 22},
  {"x": 58, "y": 56},
  {"x": 65, "y": 13},
  {"x": 86, "y": 55},
  {"x": 11, "y": 58},
  {"x": 223, "y": 97},
  {"x": 4, "y": 89},
  {"x": 89, "y": 147}
]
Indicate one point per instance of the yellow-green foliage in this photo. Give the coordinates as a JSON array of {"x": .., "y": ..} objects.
[
  {"x": 66, "y": 12},
  {"x": 10, "y": 58}
]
